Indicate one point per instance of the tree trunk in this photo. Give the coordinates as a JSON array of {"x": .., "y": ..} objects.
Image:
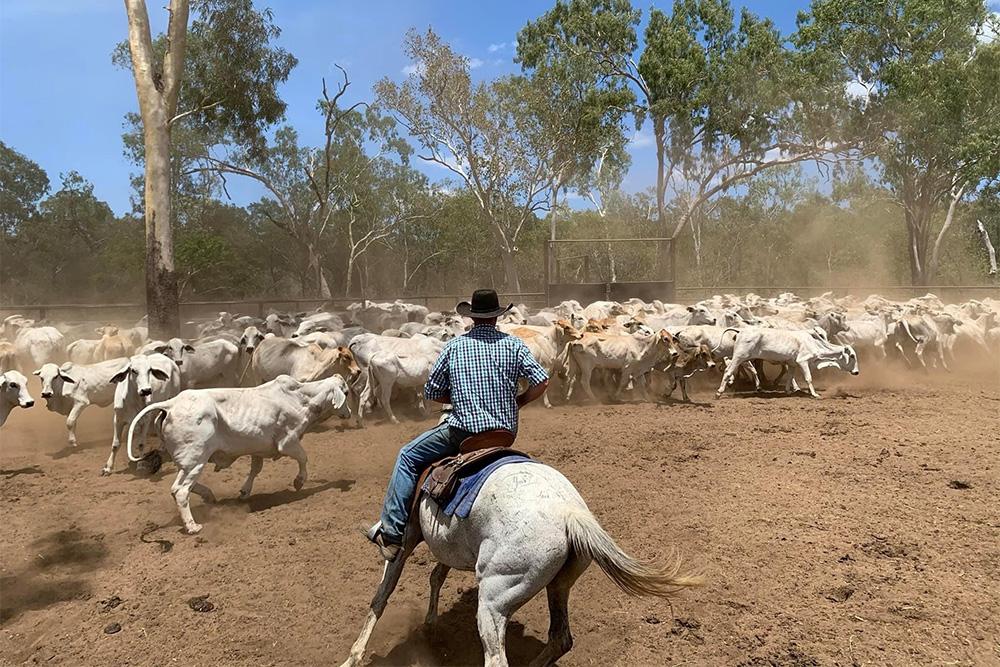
[
  {"x": 932, "y": 268},
  {"x": 510, "y": 271},
  {"x": 162, "y": 297},
  {"x": 157, "y": 89},
  {"x": 916, "y": 256},
  {"x": 349, "y": 280},
  {"x": 659, "y": 132},
  {"x": 315, "y": 270}
]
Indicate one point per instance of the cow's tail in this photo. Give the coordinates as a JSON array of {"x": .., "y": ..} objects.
[
  {"x": 723, "y": 335},
  {"x": 906, "y": 327},
  {"x": 565, "y": 362},
  {"x": 588, "y": 538},
  {"x": 162, "y": 405}
]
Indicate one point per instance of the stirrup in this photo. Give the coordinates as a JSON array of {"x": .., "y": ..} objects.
[{"x": 388, "y": 551}]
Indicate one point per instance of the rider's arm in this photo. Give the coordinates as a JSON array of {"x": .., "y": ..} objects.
[
  {"x": 534, "y": 391},
  {"x": 438, "y": 387},
  {"x": 536, "y": 376}
]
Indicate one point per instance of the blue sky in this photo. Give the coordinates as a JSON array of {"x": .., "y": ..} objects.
[{"x": 62, "y": 102}]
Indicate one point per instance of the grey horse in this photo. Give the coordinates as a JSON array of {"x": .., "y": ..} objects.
[{"x": 529, "y": 529}]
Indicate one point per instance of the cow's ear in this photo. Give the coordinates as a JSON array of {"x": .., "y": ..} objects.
[
  {"x": 187, "y": 348},
  {"x": 690, "y": 309},
  {"x": 66, "y": 378},
  {"x": 161, "y": 349},
  {"x": 120, "y": 375},
  {"x": 243, "y": 341},
  {"x": 38, "y": 372},
  {"x": 159, "y": 374}
]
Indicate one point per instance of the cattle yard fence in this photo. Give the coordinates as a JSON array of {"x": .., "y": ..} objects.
[{"x": 127, "y": 313}]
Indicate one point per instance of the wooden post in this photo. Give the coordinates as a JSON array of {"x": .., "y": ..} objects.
[{"x": 548, "y": 269}]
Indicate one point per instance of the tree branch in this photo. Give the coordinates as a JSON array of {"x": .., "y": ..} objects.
[{"x": 173, "y": 60}]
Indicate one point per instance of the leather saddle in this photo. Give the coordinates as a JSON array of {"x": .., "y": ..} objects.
[{"x": 474, "y": 453}]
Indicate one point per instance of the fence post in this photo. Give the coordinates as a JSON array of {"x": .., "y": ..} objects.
[{"x": 548, "y": 269}]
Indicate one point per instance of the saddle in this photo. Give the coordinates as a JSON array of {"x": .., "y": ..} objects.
[{"x": 474, "y": 453}]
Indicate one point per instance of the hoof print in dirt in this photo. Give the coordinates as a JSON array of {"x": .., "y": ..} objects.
[
  {"x": 959, "y": 484},
  {"x": 109, "y": 604},
  {"x": 688, "y": 629},
  {"x": 150, "y": 464},
  {"x": 839, "y": 594},
  {"x": 201, "y": 604},
  {"x": 112, "y": 628}
]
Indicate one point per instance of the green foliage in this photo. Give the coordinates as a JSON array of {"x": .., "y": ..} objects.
[
  {"x": 22, "y": 184},
  {"x": 932, "y": 116}
]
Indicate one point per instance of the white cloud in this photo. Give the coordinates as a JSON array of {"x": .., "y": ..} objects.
[
  {"x": 475, "y": 63},
  {"x": 493, "y": 48},
  {"x": 498, "y": 61},
  {"x": 641, "y": 139},
  {"x": 414, "y": 68}
]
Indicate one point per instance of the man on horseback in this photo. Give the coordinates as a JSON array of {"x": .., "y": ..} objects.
[{"x": 477, "y": 373}]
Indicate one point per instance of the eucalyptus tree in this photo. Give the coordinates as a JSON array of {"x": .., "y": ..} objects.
[
  {"x": 219, "y": 74},
  {"x": 927, "y": 74},
  {"x": 315, "y": 193},
  {"x": 726, "y": 98},
  {"x": 480, "y": 134}
]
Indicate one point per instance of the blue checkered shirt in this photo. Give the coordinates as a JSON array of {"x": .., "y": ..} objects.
[{"x": 480, "y": 371}]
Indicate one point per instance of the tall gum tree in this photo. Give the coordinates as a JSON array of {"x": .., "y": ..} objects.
[
  {"x": 929, "y": 110},
  {"x": 478, "y": 132},
  {"x": 157, "y": 87},
  {"x": 217, "y": 78},
  {"x": 725, "y": 96}
]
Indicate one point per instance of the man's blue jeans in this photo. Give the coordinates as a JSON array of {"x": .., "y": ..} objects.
[{"x": 425, "y": 449}]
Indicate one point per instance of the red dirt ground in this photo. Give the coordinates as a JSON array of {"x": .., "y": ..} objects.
[{"x": 829, "y": 532}]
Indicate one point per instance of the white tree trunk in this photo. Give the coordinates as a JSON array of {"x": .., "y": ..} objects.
[{"x": 157, "y": 94}]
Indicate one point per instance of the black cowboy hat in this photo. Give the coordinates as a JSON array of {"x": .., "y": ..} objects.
[{"x": 485, "y": 305}]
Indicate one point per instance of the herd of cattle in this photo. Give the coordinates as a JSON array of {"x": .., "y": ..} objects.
[{"x": 242, "y": 385}]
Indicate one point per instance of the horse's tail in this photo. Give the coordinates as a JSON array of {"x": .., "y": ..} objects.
[{"x": 634, "y": 577}]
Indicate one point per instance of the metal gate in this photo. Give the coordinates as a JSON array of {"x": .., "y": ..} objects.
[{"x": 600, "y": 271}]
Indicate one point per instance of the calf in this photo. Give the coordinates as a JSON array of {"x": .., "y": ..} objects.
[
  {"x": 923, "y": 330},
  {"x": 804, "y": 348},
  {"x": 82, "y": 351},
  {"x": 35, "y": 346},
  {"x": 214, "y": 363},
  {"x": 387, "y": 369},
  {"x": 70, "y": 388},
  {"x": 634, "y": 356},
  {"x": 141, "y": 380},
  {"x": 13, "y": 393},
  {"x": 202, "y": 426},
  {"x": 687, "y": 364},
  {"x": 304, "y": 362},
  {"x": 112, "y": 345}
]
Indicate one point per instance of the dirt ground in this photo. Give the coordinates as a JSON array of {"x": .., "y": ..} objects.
[{"x": 860, "y": 529}]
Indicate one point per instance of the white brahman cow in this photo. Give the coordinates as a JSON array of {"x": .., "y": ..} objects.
[{"x": 202, "y": 426}]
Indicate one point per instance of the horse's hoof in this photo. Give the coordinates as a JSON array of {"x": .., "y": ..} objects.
[
  {"x": 105, "y": 471},
  {"x": 193, "y": 529}
]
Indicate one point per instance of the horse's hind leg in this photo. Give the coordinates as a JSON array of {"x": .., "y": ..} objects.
[
  {"x": 560, "y": 638},
  {"x": 438, "y": 575},
  {"x": 501, "y": 593}
]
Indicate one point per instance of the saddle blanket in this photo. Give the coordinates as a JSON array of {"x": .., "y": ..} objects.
[{"x": 468, "y": 487}]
